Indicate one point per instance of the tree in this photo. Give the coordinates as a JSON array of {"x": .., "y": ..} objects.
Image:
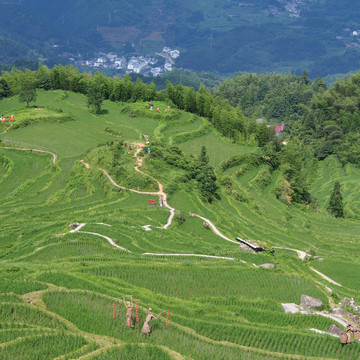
[
  {"x": 151, "y": 92},
  {"x": 262, "y": 134},
  {"x": 95, "y": 98},
  {"x": 190, "y": 100},
  {"x": 27, "y": 90},
  {"x": 127, "y": 88},
  {"x": 203, "y": 101},
  {"x": 336, "y": 206},
  {"x": 179, "y": 98},
  {"x": 43, "y": 77},
  {"x": 206, "y": 180},
  {"x": 4, "y": 89},
  {"x": 203, "y": 157},
  {"x": 138, "y": 91},
  {"x": 170, "y": 91}
]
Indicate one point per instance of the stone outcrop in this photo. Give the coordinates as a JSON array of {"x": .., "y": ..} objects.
[
  {"x": 351, "y": 304},
  {"x": 334, "y": 330},
  {"x": 290, "y": 308},
  {"x": 308, "y": 302}
]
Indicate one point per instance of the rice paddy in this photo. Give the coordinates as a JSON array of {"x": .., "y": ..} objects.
[{"x": 59, "y": 283}]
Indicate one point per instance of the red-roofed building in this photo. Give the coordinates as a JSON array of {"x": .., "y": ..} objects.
[{"x": 279, "y": 129}]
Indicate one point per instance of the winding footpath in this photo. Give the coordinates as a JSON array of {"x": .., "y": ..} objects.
[
  {"x": 301, "y": 254},
  {"x": 163, "y": 197}
]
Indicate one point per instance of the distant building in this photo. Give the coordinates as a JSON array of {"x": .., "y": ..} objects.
[{"x": 279, "y": 129}]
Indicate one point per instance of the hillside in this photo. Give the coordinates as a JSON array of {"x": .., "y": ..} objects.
[
  {"x": 74, "y": 240},
  {"x": 218, "y": 36}
]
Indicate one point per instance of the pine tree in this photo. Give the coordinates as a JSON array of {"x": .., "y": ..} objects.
[
  {"x": 203, "y": 157},
  {"x": 206, "y": 180},
  {"x": 336, "y": 206}
]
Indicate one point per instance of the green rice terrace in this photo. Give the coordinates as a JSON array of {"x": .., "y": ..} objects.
[{"x": 86, "y": 220}]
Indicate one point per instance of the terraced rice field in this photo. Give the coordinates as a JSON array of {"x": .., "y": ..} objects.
[{"x": 58, "y": 287}]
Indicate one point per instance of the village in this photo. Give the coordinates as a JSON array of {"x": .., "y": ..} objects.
[
  {"x": 290, "y": 6},
  {"x": 159, "y": 63}
]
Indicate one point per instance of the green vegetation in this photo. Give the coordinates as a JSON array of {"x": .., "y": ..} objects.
[
  {"x": 27, "y": 91},
  {"x": 95, "y": 98},
  {"x": 61, "y": 216},
  {"x": 336, "y": 206}
]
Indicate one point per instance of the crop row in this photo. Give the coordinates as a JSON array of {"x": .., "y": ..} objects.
[
  {"x": 285, "y": 341},
  {"x": 24, "y": 313},
  {"x": 134, "y": 352},
  {"x": 42, "y": 347},
  {"x": 188, "y": 283},
  {"x": 77, "y": 248},
  {"x": 93, "y": 313},
  {"x": 344, "y": 273},
  {"x": 20, "y": 287},
  {"x": 12, "y": 334}
]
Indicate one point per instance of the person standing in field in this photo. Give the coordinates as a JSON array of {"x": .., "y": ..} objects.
[
  {"x": 356, "y": 334},
  {"x": 348, "y": 334},
  {"x": 146, "y": 327},
  {"x": 129, "y": 310},
  {"x": 345, "y": 337}
]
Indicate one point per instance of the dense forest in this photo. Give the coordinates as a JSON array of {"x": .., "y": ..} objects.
[{"x": 317, "y": 121}]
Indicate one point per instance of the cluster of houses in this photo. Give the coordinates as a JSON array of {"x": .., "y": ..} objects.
[
  {"x": 291, "y": 6},
  {"x": 155, "y": 65},
  {"x": 351, "y": 37}
]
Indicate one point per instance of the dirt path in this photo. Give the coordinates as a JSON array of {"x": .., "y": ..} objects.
[
  {"x": 338, "y": 319},
  {"x": 301, "y": 254},
  {"x": 159, "y": 193},
  {"x": 196, "y": 255},
  {"x": 111, "y": 241},
  {"x": 55, "y": 157},
  {"x": 215, "y": 230},
  {"x": 325, "y": 277},
  {"x": 8, "y": 128},
  {"x": 162, "y": 195},
  {"x": 86, "y": 164},
  {"x": 106, "y": 238}
]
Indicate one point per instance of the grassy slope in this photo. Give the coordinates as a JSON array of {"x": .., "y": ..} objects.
[{"x": 220, "y": 300}]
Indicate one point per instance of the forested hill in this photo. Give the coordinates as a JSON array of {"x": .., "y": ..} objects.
[
  {"x": 217, "y": 36},
  {"x": 245, "y": 110}
]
